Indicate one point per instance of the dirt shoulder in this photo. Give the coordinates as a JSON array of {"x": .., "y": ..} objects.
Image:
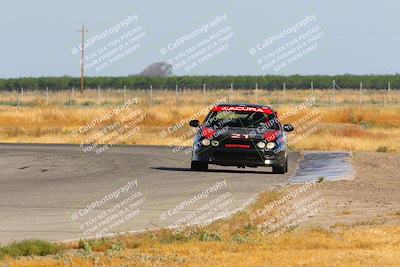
[{"x": 372, "y": 198}]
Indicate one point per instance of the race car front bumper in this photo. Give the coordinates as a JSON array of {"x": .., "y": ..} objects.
[{"x": 250, "y": 157}]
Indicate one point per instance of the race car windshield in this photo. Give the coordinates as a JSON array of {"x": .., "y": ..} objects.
[{"x": 242, "y": 119}]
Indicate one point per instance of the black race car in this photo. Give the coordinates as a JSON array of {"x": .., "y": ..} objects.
[{"x": 241, "y": 135}]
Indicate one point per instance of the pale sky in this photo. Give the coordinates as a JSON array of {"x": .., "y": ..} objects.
[{"x": 359, "y": 37}]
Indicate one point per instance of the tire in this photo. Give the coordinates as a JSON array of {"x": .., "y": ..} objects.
[
  {"x": 281, "y": 169},
  {"x": 286, "y": 165},
  {"x": 278, "y": 169},
  {"x": 199, "y": 166}
]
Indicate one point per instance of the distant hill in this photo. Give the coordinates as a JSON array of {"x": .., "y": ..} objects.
[{"x": 160, "y": 69}]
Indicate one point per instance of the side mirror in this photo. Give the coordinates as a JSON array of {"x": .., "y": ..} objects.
[
  {"x": 194, "y": 123},
  {"x": 288, "y": 127}
]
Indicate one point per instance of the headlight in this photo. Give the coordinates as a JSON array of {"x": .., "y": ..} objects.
[
  {"x": 271, "y": 145},
  {"x": 205, "y": 142},
  {"x": 261, "y": 145},
  {"x": 214, "y": 143}
]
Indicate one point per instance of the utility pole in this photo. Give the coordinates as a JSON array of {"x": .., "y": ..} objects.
[{"x": 82, "y": 55}]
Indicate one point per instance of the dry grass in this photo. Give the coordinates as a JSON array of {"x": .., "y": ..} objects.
[
  {"x": 346, "y": 126},
  {"x": 235, "y": 242}
]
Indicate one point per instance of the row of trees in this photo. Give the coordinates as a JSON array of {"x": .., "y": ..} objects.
[{"x": 212, "y": 82}]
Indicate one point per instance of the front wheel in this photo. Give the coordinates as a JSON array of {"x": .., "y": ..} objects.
[
  {"x": 199, "y": 166},
  {"x": 278, "y": 169},
  {"x": 281, "y": 169}
]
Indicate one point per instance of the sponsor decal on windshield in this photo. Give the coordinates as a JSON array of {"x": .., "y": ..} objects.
[{"x": 243, "y": 108}]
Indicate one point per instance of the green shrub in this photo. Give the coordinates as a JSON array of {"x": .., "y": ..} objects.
[
  {"x": 210, "y": 237},
  {"x": 88, "y": 103},
  {"x": 173, "y": 237},
  {"x": 85, "y": 246},
  {"x": 382, "y": 149},
  {"x": 68, "y": 103},
  {"x": 239, "y": 239},
  {"x": 29, "y": 248}
]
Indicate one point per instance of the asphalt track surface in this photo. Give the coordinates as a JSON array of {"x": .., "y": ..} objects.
[{"x": 45, "y": 190}]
